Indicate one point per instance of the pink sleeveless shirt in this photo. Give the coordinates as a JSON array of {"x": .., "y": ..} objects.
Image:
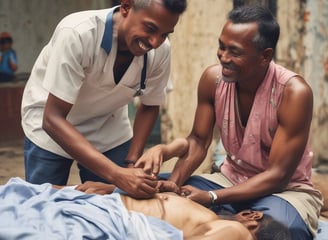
[{"x": 248, "y": 148}]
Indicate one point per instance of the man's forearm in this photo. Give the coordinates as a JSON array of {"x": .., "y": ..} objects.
[{"x": 186, "y": 165}]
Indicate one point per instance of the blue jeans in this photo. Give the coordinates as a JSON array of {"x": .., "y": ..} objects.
[
  {"x": 271, "y": 205},
  {"x": 42, "y": 166}
]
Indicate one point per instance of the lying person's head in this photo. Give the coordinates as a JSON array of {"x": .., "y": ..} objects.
[
  {"x": 262, "y": 226},
  {"x": 271, "y": 229}
]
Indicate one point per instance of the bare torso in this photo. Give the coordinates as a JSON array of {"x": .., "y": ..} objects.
[{"x": 196, "y": 221}]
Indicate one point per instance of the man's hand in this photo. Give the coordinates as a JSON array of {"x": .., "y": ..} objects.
[
  {"x": 151, "y": 161},
  {"x": 197, "y": 195},
  {"x": 168, "y": 186},
  {"x": 96, "y": 187},
  {"x": 136, "y": 183}
]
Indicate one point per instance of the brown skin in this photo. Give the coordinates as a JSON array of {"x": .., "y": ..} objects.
[
  {"x": 202, "y": 222},
  {"x": 246, "y": 66},
  {"x": 149, "y": 26},
  {"x": 159, "y": 153}
]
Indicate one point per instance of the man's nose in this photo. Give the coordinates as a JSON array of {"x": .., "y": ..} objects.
[
  {"x": 156, "y": 41},
  {"x": 223, "y": 56}
]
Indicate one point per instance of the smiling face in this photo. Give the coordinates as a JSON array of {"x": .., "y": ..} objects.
[
  {"x": 145, "y": 29},
  {"x": 237, "y": 53}
]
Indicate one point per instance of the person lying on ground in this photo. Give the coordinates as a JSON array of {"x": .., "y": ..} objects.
[{"x": 38, "y": 211}]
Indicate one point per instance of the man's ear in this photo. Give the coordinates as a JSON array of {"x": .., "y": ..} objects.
[
  {"x": 256, "y": 215},
  {"x": 267, "y": 55},
  {"x": 253, "y": 218},
  {"x": 252, "y": 215},
  {"x": 126, "y": 5}
]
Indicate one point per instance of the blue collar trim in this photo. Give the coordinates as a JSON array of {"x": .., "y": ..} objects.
[{"x": 106, "y": 42}]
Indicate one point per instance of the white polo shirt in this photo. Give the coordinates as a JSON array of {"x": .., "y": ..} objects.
[{"x": 77, "y": 67}]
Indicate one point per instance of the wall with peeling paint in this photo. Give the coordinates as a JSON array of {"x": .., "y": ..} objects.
[
  {"x": 32, "y": 22},
  {"x": 302, "y": 48},
  {"x": 316, "y": 72},
  {"x": 194, "y": 47}
]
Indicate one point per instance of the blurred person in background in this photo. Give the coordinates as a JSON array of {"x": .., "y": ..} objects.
[{"x": 8, "y": 59}]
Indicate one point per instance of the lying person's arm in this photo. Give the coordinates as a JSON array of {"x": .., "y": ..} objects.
[{"x": 91, "y": 187}]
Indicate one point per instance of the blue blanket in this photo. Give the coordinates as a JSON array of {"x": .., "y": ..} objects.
[
  {"x": 40, "y": 212},
  {"x": 322, "y": 231}
]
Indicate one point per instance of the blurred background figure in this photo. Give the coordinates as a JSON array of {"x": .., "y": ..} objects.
[{"x": 8, "y": 59}]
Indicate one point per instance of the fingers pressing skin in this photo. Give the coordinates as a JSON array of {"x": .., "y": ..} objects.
[
  {"x": 168, "y": 186},
  {"x": 197, "y": 195},
  {"x": 136, "y": 183}
]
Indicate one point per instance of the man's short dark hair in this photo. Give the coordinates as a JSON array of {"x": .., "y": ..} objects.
[
  {"x": 268, "y": 27},
  {"x": 271, "y": 229},
  {"x": 175, "y": 6}
]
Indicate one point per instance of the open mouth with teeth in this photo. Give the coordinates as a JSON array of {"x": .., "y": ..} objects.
[{"x": 143, "y": 46}]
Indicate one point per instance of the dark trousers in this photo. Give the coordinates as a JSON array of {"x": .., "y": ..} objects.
[{"x": 42, "y": 166}]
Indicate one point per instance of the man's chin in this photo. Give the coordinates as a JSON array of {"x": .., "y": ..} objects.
[
  {"x": 228, "y": 79},
  {"x": 139, "y": 53}
]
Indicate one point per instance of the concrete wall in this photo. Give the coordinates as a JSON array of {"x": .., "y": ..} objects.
[
  {"x": 31, "y": 23},
  {"x": 316, "y": 72},
  {"x": 194, "y": 47},
  {"x": 302, "y": 47}
]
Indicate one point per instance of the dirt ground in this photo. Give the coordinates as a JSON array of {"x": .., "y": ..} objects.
[{"x": 12, "y": 164}]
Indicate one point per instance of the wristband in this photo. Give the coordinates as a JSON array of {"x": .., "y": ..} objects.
[
  {"x": 127, "y": 162},
  {"x": 214, "y": 197}
]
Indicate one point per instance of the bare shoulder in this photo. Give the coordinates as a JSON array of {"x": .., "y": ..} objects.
[
  {"x": 211, "y": 73},
  {"x": 221, "y": 230},
  {"x": 207, "y": 83},
  {"x": 297, "y": 87},
  {"x": 296, "y": 106},
  {"x": 234, "y": 230},
  {"x": 297, "y": 94}
]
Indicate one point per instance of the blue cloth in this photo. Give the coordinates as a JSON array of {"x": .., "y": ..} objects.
[
  {"x": 322, "y": 231},
  {"x": 35, "y": 212}
]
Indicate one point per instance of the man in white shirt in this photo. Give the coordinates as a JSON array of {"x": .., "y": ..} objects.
[{"x": 74, "y": 105}]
